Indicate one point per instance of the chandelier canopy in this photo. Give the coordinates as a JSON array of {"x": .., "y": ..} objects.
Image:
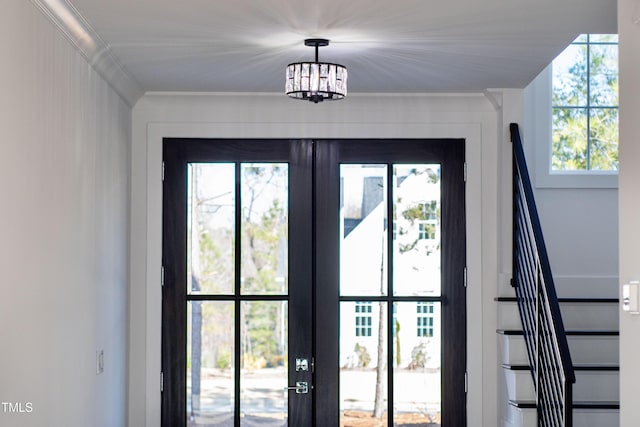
[{"x": 316, "y": 81}]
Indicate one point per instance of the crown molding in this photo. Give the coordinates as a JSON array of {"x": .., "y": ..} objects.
[{"x": 86, "y": 41}]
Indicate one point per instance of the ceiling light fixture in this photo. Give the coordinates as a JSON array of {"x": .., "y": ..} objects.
[{"x": 316, "y": 81}]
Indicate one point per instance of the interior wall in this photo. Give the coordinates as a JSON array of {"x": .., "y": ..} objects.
[
  {"x": 64, "y": 173},
  {"x": 629, "y": 33},
  {"x": 476, "y": 117},
  {"x": 579, "y": 216}
]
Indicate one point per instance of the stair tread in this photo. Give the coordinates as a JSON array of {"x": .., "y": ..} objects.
[
  {"x": 566, "y": 300},
  {"x": 576, "y": 367},
  {"x": 529, "y": 404},
  {"x": 570, "y": 332}
]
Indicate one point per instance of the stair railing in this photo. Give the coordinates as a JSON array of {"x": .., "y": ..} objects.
[{"x": 543, "y": 329}]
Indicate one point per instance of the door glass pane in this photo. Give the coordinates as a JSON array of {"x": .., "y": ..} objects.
[
  {"x": 416, "y": 237},
  {"x": 264, "y": 221},
  {"x": 363, "y": 243},
  {"x": 210, "y": 370},
  {"x": 210, "y": 228},
  {"x": 263, "y": 375},
  {"x": 363, "y": 364},
  {"x": 416, "y": 373}
]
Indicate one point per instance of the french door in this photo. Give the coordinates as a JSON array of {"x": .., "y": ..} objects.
[{"x": 313, "y": 283}]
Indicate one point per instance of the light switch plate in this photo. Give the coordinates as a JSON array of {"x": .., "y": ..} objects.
[
  {"x": 99, "y": 362},
  {"x": 630, "y": 294}
]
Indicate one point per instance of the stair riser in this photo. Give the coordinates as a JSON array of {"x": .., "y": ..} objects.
[
  {"x": 584, "y": 350},
  {"x": 575, "y": 316},
  {"x": 587, "y": 287},
  {"x": 590, "y": 386},
  {"x": 581, "y": 418}
]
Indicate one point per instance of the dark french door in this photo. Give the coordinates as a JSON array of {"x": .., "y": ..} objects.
[{"x": 313, "y": 283}]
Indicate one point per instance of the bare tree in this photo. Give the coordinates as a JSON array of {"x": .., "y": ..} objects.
[
  {"x": 378, "y": 406},
  {"x": 196, "y": 306}
]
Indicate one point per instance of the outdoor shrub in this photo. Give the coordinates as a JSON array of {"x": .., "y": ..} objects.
[{"x": 363, "y": 355}]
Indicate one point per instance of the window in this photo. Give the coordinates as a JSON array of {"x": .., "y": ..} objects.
[
  {"x": 363, "y": 319},
  {"x": 426, "y": 231},
  {"x": 429, "y": 210},
  {"x": 425, "y": 319},
  {"x": 585, "y": 105}
]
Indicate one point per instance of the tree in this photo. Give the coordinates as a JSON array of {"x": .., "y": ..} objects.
[
  {"x": 264, "y": 236},
  {"x": 196, "y": 306},
  {"x": 397, "y": 338},
  {"x": 378, "y": 406}
]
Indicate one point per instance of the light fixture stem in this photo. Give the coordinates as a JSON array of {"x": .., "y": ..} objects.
[{"x": 317, "y": 47}]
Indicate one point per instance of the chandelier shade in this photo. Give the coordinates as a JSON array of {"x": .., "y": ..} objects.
[{"x": 316, "y": 81}]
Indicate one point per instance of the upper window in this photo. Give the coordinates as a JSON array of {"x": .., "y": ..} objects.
[{"x": 585, "y": 105}]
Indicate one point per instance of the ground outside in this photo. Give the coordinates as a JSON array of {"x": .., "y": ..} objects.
[
  {"x": 364, "y": 419},
  {"x": 347, "y": 419}
]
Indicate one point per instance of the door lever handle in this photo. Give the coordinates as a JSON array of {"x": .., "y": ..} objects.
[{"x": 301, "y": 387}]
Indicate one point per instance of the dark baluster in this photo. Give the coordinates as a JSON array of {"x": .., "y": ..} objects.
[{"x": 543, "y": 329}]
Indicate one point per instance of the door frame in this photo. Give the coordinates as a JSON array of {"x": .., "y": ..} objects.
[{"x": 480, "y": 135}]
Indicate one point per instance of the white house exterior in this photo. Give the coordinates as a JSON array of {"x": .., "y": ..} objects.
[{"x": 416, "y": 259}]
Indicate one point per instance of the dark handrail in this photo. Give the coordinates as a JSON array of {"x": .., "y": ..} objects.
[{"x": 545, "y": 337}]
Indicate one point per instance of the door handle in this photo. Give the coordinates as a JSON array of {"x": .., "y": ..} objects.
[{"x": 301, "y": 387}]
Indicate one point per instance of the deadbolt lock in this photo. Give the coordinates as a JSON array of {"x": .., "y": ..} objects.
[{"x": 302, "y": 365}]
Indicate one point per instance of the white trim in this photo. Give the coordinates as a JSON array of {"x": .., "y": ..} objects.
[
  {"x": 538, "y": 134},
  {"x": 86, "y": 41},
  {"x": 495, "y": 97}
]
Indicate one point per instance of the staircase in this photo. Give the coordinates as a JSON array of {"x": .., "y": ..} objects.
[
  {"x": 559, "y": 355},
  {"x": 592, "y": 333}
]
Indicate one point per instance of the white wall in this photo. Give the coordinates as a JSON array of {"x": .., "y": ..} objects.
[
  {"x": 472, "y": 117},
  {"x": 629, "y": 32},
  {"x": 64, "y": 174},
  {"x": 579, "y": 214}
]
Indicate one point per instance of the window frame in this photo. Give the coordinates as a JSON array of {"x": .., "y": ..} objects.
[
  {"x": 427, "y": 230},
  {"x": 425, "y": 324},
  {"x": 425, "y": 327},
  {"x": 590, "y": 42},
  {"x": 538, "y": 107},
  {"x": 538, "y": 139},
  {"x": 363, "y": 319}
]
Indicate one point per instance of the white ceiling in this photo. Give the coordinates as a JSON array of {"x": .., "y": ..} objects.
[{"x": 387, "y": 45}]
